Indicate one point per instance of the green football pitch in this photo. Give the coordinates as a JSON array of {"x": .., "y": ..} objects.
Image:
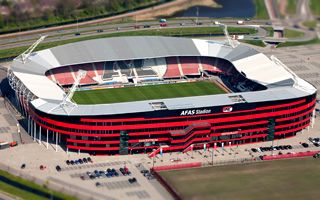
[
  {"x": 280, "y": 179},
  {"x": 139, "y": 93}
]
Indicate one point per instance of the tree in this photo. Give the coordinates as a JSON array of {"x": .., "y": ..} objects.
[
  {"x": 115, "y": 5},
  {"x": 1, "y": 21},
  {"x": 65, "y": 8},
  {"x": 5, "y": 3}
]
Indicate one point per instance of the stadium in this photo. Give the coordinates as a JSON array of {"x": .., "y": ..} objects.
[{"x": 149, "y": 94}]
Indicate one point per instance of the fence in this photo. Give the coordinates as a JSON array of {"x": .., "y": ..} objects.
[
  {"x": 292, "y": 155},
  {"x": 166, "y": 185},
  {"x": 177, "y": 166}
]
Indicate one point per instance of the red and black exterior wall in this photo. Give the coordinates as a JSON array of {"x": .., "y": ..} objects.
[{"x": 178, "y": 129}]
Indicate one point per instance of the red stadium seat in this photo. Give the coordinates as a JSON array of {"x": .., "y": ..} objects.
[
  {"x": 208, "y": 65},
  {"x": 88, "y": 79},
  {"x": 189, "y": 65},
  {"x": 99, "y": 68},
  {"x": 172, "y": 68},
  {"x": 63, "y": 75}
]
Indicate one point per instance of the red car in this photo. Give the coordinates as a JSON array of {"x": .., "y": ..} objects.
[{"x": 164, "y": 24}]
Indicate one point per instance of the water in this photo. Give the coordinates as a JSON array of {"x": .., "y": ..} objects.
[{"x": 230, "y": 8}]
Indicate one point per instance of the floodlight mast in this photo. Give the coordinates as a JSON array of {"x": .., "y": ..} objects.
[
  {"x": 226, "y": 33},
  {"x": 80, "y": 75},
  {"x": 67, "y": 104},
  {"x": 26, "y": 54}
]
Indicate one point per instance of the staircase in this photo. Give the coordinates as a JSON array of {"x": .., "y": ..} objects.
[{"x": 155, "y": 152}]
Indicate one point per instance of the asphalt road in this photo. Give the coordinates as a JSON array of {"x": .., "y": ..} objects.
[{"x": 25, "y": 40}]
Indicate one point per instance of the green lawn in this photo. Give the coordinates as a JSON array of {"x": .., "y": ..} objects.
[
  {"x": 310, "y": 24},
  {"x": 289, "y": 44},
  {"x": 315, "y": 7},
  {"x": 25, "y": 194},
  {"x": 291, "y": 7},
  {"x": 289, "y": 33},
  {"x": 281, "y": 179},
  {"x": 261, "y": 10},
  {"x": 259, "y": 43},
  {"x": 269, "y": 29},
  {"x": 139, "y": 93}
]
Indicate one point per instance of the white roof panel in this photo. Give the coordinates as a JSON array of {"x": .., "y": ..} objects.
[
  {"x": 41, "y": 86},
  {"x": 261, "y": 69}
]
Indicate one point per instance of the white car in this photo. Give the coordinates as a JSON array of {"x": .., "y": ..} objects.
[{"x": 240, "y": 22}]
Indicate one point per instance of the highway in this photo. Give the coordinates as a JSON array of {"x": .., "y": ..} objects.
[
  {"x": 59, "y": 35},
  {"x": 103, "y": 26}
]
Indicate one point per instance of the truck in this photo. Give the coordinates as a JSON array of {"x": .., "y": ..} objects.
[
  {"x": 4, "y": 145},
  {"x": 240, "y": 22}
]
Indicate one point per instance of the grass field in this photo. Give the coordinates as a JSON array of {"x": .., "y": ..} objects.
[
  {"x": 32, "y": 191},
  {"x": 291, "y": 7},
  {"x": 269, "y": 30},
  {"x": 310, "y": 24},
  {"x": 288, "y": 33},
  {"x": 281, "y": 179},
  {"x": 259, "y": 43},
  {"x": 315, "y": 7},
  {"x": 261, "y": 10},
  {"x": 289, "y": 44},
  {"x": 161, "y": 91}
]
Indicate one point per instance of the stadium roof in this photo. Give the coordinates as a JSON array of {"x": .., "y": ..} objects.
[{"x": 255, "y": 65}]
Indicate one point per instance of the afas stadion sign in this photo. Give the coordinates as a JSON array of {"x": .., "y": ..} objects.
[
  {"x": 227, "y": 109},
  {"x": 204, "y": 111}
]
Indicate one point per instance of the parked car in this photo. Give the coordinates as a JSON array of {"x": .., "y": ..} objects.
[
  {"x": 305, "y": 145},
  {"x": 254, "y": 150},
  {"x": 164, "y": 24},
  {"x": 146, "y": 26},
  {"x": 23, "y": 166},
  {"x": 132, "y": 180},
  {"x": 58, "y": 168},
  {"x": 144, "y": 171},
  {"x": 317, "y": 155},
  {"x": 68, "y": 162}
]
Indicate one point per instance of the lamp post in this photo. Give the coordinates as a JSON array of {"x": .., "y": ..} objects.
[{"x": 212, "y": 153}]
